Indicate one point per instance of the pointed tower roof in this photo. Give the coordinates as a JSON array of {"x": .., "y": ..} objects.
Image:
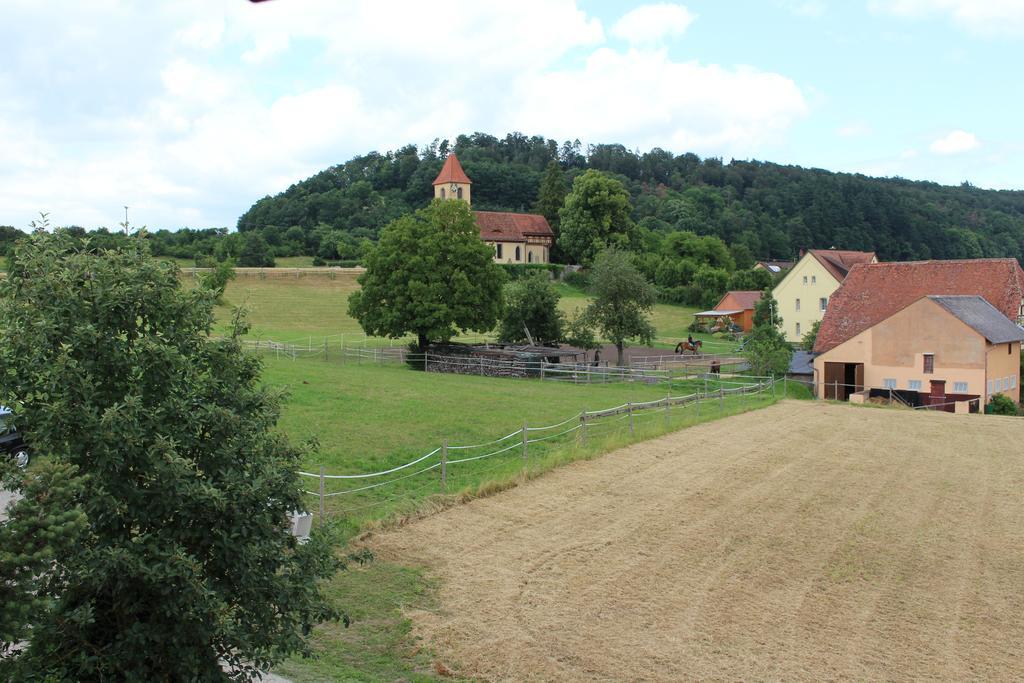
[{"x": 452, "y": 172}]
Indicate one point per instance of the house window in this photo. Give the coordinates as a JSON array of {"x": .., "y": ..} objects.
[
  {"x": 442, "y": 193},
  {"x": 458, "y": 193},
  {"x": 517, "y": 253},
  {"x": 498, "y": 247},
  {"x": 960, "y": 387},
  {"x": 814, "y": 279},
  {"x": 889, "y": 383},
  {"x": 798, "y": 305},
  {"x": 991, "y": 387},
  {"x": 805, "y": 279},
  {"x": 798, "y": 329},
  {"x": 823, "y": 302},
  {"x": 914, "y": 385},
  {"x": 929, "y": 363},
  {"x": 1013, "y": 381},
  {"x": 529, "y": 256}
]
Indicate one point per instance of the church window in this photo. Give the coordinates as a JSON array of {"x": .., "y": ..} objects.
[
  {"x": 442, "y": 193},
  {"x": 499, "y": 251},
  {"x": 529, "y": 256},
  {"x": 459, "y": 193},
  {"x": 517, "y": 253}
]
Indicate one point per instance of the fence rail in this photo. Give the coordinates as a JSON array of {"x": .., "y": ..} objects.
[
  {"x": 440, "y": 460},
  {"x": 843, "y": 391}
]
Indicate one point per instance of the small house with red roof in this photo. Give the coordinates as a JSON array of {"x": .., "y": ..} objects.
[
  {"x": 515, "y": 237},
  {"x": 932, "y": 332},
  {"x": 738, "y": 306},
  {"x": 803, "y": 294}
]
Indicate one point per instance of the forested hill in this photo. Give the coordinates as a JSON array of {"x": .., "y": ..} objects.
[{"x": 773, "y": 210}]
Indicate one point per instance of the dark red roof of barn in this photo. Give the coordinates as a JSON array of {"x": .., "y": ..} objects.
[
  {"x": 745, "y": 299},
  {"x": 838, "y": 262},
  {"x": 501, "y": 226},
  {"x": 452, "y": 172},
  {"x": 874, "y": 291}
]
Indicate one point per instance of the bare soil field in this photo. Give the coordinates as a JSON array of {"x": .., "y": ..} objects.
[{"x": 802, "y": 541}]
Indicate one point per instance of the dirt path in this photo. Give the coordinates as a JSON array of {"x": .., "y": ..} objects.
[{"x": 803, "y": 541}]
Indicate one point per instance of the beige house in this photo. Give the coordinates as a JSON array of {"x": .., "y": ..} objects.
[
  {"x": 804, "y": 293},
  {"x": 515, "y": 237},
  {"x": 936, "y": 351}
]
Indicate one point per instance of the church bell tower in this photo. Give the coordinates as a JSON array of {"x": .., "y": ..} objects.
[{"x": 452, "y": 182}]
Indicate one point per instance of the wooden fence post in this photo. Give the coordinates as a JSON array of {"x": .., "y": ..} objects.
[
  {"x": 526, "y": 440},
  {"x": 668, "y": 404},
  {"x": 629, "y": 409},
  {"x": 321, "y": 495},
  {"x": 721, "y": 399},
  {"x": 583, "y": 428},
  {"x": 444, "y": 464}
]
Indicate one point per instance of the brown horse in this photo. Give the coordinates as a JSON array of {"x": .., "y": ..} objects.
[{"x": 684, "y": 346}]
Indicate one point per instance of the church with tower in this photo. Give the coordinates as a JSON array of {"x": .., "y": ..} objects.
[{"x": 515, "y": 237}]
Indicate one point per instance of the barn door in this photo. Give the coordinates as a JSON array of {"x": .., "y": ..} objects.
[
  {"x": 860, "y": 377},
  {"x": 834, "y": 375}
]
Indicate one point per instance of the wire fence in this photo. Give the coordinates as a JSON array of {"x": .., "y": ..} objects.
[
  {"x": 443, "y": 468},
  {"x": 488, "y": 362},
  {"x": 913, "y": 399}
]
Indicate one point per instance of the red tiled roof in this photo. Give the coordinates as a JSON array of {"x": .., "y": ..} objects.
[
  {"x": 452, "y": 172},
  {"x": 838, "y": 262},
  {"x": 744, "y": 299},
  {"x": 872, "y": 292},
  {"x": 500, "y": 226}
]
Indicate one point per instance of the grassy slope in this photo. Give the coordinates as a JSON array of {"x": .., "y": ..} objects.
[
  {"x": 291, "y": 309},
  {"x": 369, "y": 417}
]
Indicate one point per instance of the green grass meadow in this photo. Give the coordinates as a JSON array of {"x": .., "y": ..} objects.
[{"x": 369, "y": 418}]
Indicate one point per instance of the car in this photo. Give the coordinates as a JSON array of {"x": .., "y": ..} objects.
[{"x": 12, "y": 441}]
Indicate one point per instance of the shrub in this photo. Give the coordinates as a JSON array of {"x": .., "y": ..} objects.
[
  {"x": 1001, "y": 405},
  {"x": 517, "y": 271},
  {"x": 577, "y": 278}
]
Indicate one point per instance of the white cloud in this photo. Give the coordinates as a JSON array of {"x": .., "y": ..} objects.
[
  {"x": 206, "y": 107},
  {"x": 980, "y": 17},
  {"x": 956, "y": 142},
  {"x": 653, "y": 23},
  {"x": 645, "y": 99}
]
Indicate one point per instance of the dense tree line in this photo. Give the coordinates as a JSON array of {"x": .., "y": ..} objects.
[{"x": 760, "y": 209}]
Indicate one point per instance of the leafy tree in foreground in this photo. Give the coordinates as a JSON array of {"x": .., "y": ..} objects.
[
  {"x": 430, "y": 275},
  {"x": 531, "y": 303},
  {"x": 622, "y": 300},
  {"x": 596, "y": 215},
  {"x": 766, "y": 348},
  {"x": 185, "y": 563}
]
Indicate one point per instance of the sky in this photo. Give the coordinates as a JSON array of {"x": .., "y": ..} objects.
[{"x": 188, "y": 111}]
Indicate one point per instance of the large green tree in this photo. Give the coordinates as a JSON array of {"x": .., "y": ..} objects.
[
  {"x": 531, "y": 303},
  {"x": 596, "y": 215},
  {"x": 550, "y": 199},
  {"x": 765, "y": 347},
  {"x": 623, "y": 300},
  {"x": 430, "y": 275},
  {"x": 165, "y": 447}
]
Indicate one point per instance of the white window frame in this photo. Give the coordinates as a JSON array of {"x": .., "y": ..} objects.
[
  {"x": 823, "y": 302},
  {"x": 814, "y": 279},
  {"x": 798, "y": 329},
  {"x": 805, "y": 279},
  {"x": 914, "y": 385},
  {"x": 1013, "y": 381},
  {"x": 889, "y": 383},
  {"x": 959, "y": 387},
  {"x": 991, "y": 387},
  {"x": 798, "y": 305}
]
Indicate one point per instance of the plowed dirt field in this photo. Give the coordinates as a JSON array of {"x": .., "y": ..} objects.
[{"x": 802, "y": 541}]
